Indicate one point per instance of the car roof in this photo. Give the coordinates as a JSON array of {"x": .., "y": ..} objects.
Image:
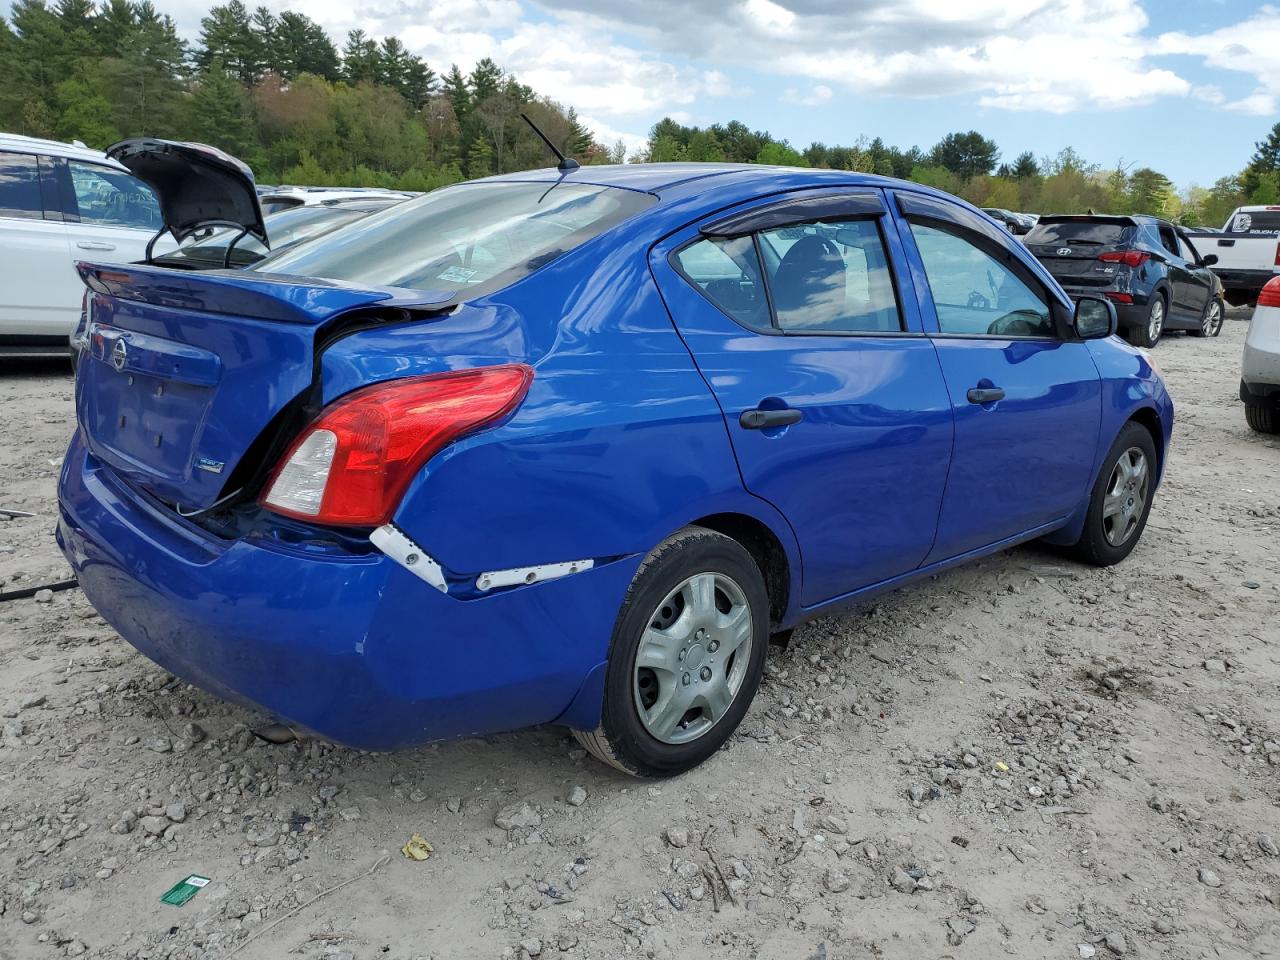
[
  {"x": 715, "y": 184},
  {"x": 76, "y": 150}
]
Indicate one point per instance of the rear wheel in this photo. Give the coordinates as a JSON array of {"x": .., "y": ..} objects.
[
  {"x": 1121, "y": 499},
  {"x": 687, "y": 654},
  {"x": 1262, "y": 417},
  {"x": 1148, "y": 333},
  {"x": 1211, "y": 322}
]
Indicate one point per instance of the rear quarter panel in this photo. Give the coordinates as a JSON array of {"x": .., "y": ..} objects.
[{"x": 618, "y": 443}]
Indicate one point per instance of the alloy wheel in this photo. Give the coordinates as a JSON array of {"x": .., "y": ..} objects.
[
  {"x": 1212, "y": 320},
  {"x": 1126, "y": 497},
  {"x": 1155, "y": 320},
  {"x": 693, "y": 658}
]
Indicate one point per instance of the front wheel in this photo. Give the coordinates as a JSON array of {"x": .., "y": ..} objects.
[
  {"x": 1121, "y": 499},
  {"x": 687, "y": 654},
  {"x": 1148, "y": 333}
]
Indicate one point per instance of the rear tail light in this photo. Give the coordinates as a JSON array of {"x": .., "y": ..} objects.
[
  {"x": 353, "y": 464},
  {"x": 1119, "y": 297},
  {"x": 1278, "y": 254},
  {"x": 1130, "y": 258},
  {"x": 1270, "y": 295}
]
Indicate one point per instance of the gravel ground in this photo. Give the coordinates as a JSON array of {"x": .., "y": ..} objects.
[{"x": 1025, "y": 757}]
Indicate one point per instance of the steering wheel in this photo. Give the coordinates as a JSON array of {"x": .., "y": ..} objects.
[{"x": 978, "y": 301}]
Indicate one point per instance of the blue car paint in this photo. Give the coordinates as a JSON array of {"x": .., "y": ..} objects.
[{"x": 621, "y": 441}]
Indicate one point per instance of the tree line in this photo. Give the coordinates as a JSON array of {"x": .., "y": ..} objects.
[
  {"x": 968, "y": 165},
  {"x": 275, "y": 90}
]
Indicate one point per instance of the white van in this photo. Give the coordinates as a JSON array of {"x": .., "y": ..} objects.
[{"x": 60, "y": 203}]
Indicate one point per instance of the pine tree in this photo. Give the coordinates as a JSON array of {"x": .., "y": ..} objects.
[
  {"x": 1025, "y": 167},
  {"x": 419, "y": 82},
  {"x": 455, "y": 88},
  {"x": 302, "y": 46},
  {"x": 484, "y": 81},
  {"x": 219, "y": 112},
  {"x": 580, "y": 139},
  {"x": 1266, "y": 158},
  {"x": 227, "y": 37},
  {"x": 360, "y": 59},
  {"x": 115, "y": 20}
]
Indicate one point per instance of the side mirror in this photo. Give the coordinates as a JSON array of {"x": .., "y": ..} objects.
[
  {"x": 1095, "y": 318},
  {"x": 1209, "y": 260}
]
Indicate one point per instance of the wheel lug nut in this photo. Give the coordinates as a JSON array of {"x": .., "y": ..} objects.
[
  {"x": 686, "y": 679},
  {"x": 713, "y": 646},
  {"x": 705, "y": 674},
  {"x": 682, "y": 654}
]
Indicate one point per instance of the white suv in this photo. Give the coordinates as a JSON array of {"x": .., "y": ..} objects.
[
  {"x": 1260, "y": 374},
  {"x": 60, "y": 203}
]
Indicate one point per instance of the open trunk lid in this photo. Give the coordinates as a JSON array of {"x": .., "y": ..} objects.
[
  {"x": 198, "y": 186},
  {"x": 183, "y": 371}
]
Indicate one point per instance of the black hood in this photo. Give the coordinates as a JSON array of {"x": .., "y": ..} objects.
[{"x": 198, "y": 186}]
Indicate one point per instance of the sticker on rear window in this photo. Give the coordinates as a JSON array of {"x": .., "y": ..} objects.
[{"x": 457, "y": 275}]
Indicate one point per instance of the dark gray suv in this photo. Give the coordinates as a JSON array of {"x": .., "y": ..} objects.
[{"x": 1144, "y": 265}]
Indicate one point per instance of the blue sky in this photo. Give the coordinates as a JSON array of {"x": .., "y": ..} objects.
[{"x": 1185, "y": 87}]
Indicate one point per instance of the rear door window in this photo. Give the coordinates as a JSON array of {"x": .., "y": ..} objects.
[
  {"x": 112, "y": 198},
  {"x": 20, "y": 186},
  {"x": 830, "y": 277}
]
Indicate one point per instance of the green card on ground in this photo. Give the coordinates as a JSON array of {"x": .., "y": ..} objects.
[{"x": 183, "y": 891}]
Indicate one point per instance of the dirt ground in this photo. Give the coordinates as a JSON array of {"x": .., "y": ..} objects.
[{"x": 1025, "y": 757}]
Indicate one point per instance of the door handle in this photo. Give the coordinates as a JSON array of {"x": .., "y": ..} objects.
[
  {"x": 759, "y": 419},
  {"x": 94, "y": 245},
  {"x": 985, "y": 394}
]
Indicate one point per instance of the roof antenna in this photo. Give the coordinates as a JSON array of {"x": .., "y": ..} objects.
[{"x": 566, "y": 164}]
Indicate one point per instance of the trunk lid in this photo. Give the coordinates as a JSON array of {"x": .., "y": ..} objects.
[
  {"x": 183, "y": 371},
  {"x": 197, "y": 185}
]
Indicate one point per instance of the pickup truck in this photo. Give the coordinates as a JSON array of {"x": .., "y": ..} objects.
[{"x": 1248, "y": 251}]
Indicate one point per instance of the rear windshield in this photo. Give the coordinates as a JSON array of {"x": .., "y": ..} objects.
[
  {"x": 1256, "y": 221},
  {"x": 471, "y": 239},
  {"x": 1079, "y": 231}
]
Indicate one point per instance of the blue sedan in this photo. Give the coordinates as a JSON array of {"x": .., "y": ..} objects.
[{"x": 570, "y": 446}]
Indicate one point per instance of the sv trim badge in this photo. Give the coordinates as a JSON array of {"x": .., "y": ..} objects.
[
  {"x": 210, "y": 466},
  {"x": 119, "y": 355}
]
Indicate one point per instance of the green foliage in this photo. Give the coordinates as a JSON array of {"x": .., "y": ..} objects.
[
  {"x": 965, "y": 154},
  {"x": 1267, "y": 189},
  {"x": 780, "y": 155},
  {"x": 274, "y": 90}
]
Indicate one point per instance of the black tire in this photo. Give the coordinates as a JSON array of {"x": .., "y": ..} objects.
[
  {"x": 1215, "y": 314},
  {"x": 1140, "y": 336},
  {"x": 1262, "y": 417},
  {"x": 622, "y": 740},
  {"x": 1094, "y": 547}
]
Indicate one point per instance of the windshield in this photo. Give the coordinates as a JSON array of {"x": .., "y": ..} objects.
[
  {"x": 1099, "y": 232},
  {"x": 471, "y": 239}
]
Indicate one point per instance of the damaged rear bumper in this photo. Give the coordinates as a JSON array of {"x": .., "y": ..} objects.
[{"x": 353, "y": 647}]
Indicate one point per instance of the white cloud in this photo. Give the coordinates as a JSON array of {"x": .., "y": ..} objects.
[
  {"x": 1050, "y": 55},
  {"x": 1251, "y": 47},
  {"x": 816, "y": 97}
]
